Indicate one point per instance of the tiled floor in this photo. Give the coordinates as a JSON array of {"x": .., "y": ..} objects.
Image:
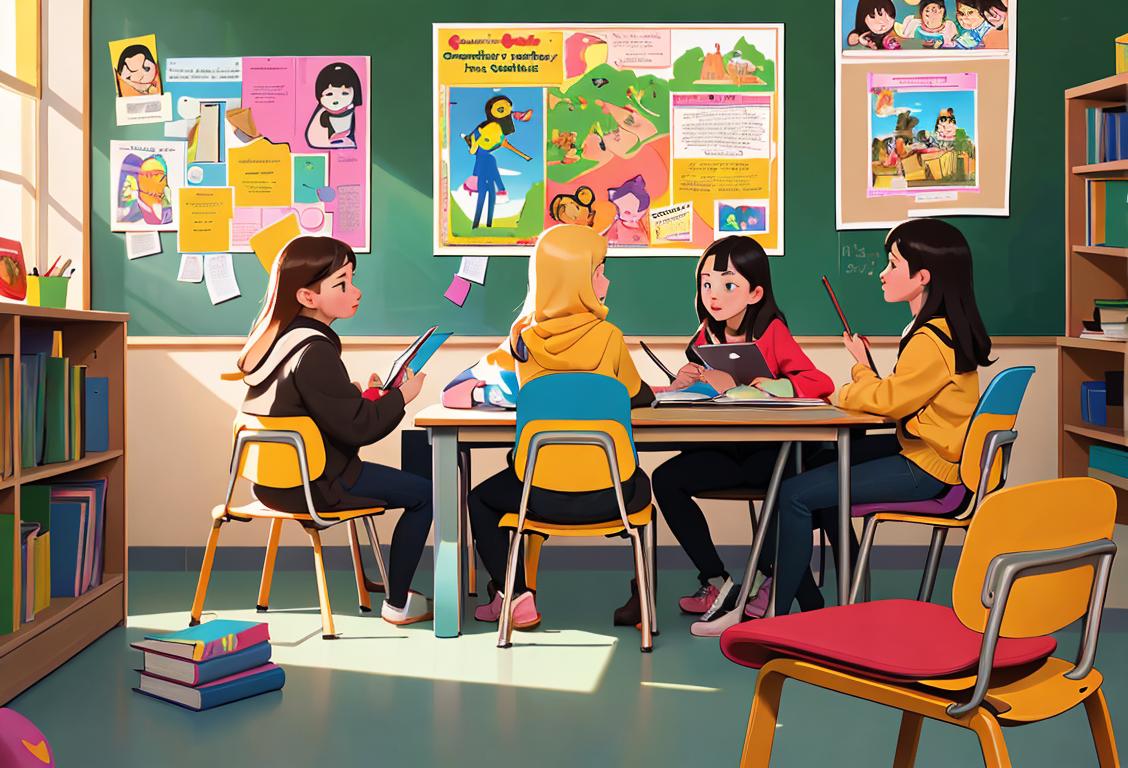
[{"x": 575, "y": 693}]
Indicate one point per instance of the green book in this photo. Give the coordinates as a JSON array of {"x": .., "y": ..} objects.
[
  {"x": 57, "y": 410},
  {"x": 35, "y": 507},
  {"x": 9, "y": 617}
]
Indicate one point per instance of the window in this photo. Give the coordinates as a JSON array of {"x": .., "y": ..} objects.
[{"x": 19, "y": 124}]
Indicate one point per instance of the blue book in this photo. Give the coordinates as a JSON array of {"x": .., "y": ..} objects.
[
  {"x": 201, "y": 672},
  {"x": 97, "y": 520},
  {"x": 208, "y": 640},
  {"x": 68, "y": 545},
  {"x": 97, "y": 414},
  {"x": 1094, "y": 409},
  {"x": 268, "y": 677}
]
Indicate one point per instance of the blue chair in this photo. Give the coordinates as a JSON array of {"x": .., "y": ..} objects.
[
  {"x": 574, "y": 435},
  {"x": 990, "y": 436}
]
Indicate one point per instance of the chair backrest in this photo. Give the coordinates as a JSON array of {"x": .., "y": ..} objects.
[
  {"x": 997, "y": 410},
  {"x": 1051, "y": 514},
  {"x": 574, "y": 402},
  {"x": 275, "y": 465}
]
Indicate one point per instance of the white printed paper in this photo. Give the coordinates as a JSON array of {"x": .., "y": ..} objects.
[
  {"x": 473, "y": 268},
  {"x": 204, "y": 70},
  {"x": 191, "y": 268},
  {"x": 219, "y": 274},
  {"x": 139, "y": 110},
  {"x": 138, "y": 244},
  {"x": 178, "y": 129}
]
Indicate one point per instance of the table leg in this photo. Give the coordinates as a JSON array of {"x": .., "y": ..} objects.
[
  {"x": 448, "y": 534},
  {"x": 844, "y": 532},
  {"x": 766, "y": 512}
]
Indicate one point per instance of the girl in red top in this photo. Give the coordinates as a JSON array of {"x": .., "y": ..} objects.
[{"x": 736, "y": 305}]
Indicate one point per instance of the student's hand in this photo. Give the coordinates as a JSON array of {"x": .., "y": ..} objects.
[
  {"x": 857, "y": 346},
  {"x": 375, "y": 381},
  {"x": 756, "y": 382},
  {"x": 718, "y": 380},
  {"x": 411, "y": 385},
  {"x": 689, "y": 373},
  {"x": 359, "y": 388}
]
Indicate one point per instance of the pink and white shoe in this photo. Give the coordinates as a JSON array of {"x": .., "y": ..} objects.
[
  {"x": 700, "y": 601},
  {"x": 491, "y": 611},
  {"x": 758, "y": 605},
  {"x": 525, "y": 614}
]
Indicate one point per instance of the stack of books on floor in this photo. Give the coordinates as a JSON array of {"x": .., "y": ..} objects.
[
  {"x": 63, "y": 413},
  {"x": 1111, "y": 320},
  {"x": 209, "y": 665}
]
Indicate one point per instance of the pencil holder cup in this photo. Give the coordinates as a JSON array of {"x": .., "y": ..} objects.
[{"x": 47, "y": 291}]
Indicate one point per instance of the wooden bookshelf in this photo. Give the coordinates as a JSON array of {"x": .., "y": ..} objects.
[
  {"x": 98, "y": 341},
  {"x": 1091, "y": 272}
]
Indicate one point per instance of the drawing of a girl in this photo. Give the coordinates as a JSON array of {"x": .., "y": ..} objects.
[
  {"x": 873, "y": 25},
  {"x": 946, "y": 128},
  {"x": 632, "y": 202},
  {"x": 338, "y": 94},
  {"x": 137, "y": 72},
  {"x": 931, "y": 27}
]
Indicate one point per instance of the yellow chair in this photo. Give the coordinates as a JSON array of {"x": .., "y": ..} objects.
[
  {"x": 1037, "y": 558},
  {"x": 287, "y": 452},
  {"x": 574, "y": 435}
]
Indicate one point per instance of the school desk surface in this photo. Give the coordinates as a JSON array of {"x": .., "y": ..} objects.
[
  {"x": 574, "y": 693},
  {"x": 449, "y": 429}
]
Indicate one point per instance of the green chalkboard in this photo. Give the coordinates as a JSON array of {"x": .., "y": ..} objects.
[{"x": 1019, "y": 259}]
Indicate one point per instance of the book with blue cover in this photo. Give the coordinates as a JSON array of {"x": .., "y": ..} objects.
[
  {"x": 263, "y": 679},
  {"x": 68, "y": 546},
  {"x": 97, "y": 414},
  {"x": 207, "y": 640},
  {"x": 197, "y": 673}
]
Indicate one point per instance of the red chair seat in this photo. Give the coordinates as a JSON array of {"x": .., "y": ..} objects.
[{"x": 894, "y": 639}]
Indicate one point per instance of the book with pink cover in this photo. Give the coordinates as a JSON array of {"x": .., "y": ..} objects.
[{"x": 208, "y": 640}]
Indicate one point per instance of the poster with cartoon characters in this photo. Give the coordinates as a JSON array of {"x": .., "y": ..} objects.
[
  {"x": 144, "y": 179},
  {"x": 609, "y": 127},
  {"x": 925, "y": 108}
]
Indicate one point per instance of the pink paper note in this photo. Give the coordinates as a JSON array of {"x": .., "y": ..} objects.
[{"x": 458, "y": 291}]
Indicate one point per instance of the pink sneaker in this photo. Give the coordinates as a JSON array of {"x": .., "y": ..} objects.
[
  {"x": 700, "y": 601},
  {"x": 758, "y": 605},
  {"x": 525, "y": 614},
  {"x": 491, "y": 611}
]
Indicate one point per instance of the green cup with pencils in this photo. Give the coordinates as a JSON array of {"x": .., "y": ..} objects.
[{"x": 49, "y": 289}]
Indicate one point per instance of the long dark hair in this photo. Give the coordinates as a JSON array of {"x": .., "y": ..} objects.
[
  {"x": 942, "y": 249},
  {"x": 746, "y": 256},
  {"x": 869, "y": 8},
  {"x": 303, "y": 263}
]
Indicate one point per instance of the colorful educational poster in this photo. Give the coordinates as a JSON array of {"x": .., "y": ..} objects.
[
  {"x": 205, "y": 219},
  {"x": 145, "y": 177},
  {"x": 924, "y": 103},
  {"x": 922, "y": 134},
  {"x": 496, "y": 164},
  {"x": 924, "y": 27},
  {"x": 634, "y": 130},
  {"x": 311, "y": 105},
  {"x": 136, "y": 71}
]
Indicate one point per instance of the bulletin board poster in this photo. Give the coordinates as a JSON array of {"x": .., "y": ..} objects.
[
  {"x": 662, "y": 137},
  {"x": 925, "y": 108}
]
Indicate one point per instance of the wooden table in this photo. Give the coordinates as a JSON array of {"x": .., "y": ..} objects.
[{"x": 451, "y": 430}]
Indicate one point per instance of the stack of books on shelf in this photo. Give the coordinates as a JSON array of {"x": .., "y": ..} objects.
[
  {"x": 209, "y": 665},
  {"x": 1108, "y": 463},
  {"x": 1111, "y": 320},
  {"x": 1106, "y": 212},
  {"x": 1106, "y": 131},
  {"x": 63, "y": 413}
]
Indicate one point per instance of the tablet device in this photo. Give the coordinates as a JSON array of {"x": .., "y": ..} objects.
[
  {"x": 408, "y": 356},
  {"x": 744, "y": 362}
]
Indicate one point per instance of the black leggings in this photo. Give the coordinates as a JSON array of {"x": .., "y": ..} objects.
[{"x": 501, "y": 495}]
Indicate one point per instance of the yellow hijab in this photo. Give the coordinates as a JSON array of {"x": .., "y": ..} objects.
[{"x": 568, "y": 331}]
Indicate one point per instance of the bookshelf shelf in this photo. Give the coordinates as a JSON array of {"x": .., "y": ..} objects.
[
  {"x": 98, "y": 341},
  {"x": 1091, "y": 272},
  {"x": 1116, "y": 481}
]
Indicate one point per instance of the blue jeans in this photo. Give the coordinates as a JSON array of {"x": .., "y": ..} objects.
[
  {"x": 813, "y": 495},
  {"x": 412, "y": 493}
]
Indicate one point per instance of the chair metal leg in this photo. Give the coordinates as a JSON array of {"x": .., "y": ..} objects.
[
  {"x": 1100, "y": 723},
  {"x": 822, "y": 558},
  {"x": 205, "y": 573},
  {"x": 467, "y": 533},
  {"x": 358, "y": 569},
  {"x": 991, "y": 740},
  {"x": 644, "y": 597},
  {"x": 505, "y": 624},
  {"x": 374, "y": 543},
  {"x": 327, "y": 631},
  {"x": 861, "y": 569},
  {"x": 758, "y": 738},
  {"x": 935, "y": 549},
  {"x": 268, "y": 566},
  {"x": 650, "y": 550},
  {"x": 907, "y": 740}
]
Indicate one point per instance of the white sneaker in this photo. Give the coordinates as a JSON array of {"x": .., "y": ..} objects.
[
  {"x": 725, "y": 599},
  {"x": 715, "y": 627},
  {"x": 417, "y": 608}
]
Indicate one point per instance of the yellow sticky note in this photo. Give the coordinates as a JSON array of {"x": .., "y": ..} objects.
[
  {"x": 205, "y": 219},
  {"x": 267, "y": 243},
  {"x": 260, "y": 172}
]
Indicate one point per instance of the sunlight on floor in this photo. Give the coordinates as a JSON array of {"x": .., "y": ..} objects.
[{"x": 560, "y": 660}]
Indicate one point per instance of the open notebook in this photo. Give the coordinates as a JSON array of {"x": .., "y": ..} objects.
[{"x": 701, "y": 394}]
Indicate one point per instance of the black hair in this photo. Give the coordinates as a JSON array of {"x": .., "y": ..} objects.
[
  {"x": 341, "y": 75},
  {"x": 940, "y": 248},
  {"x": 869, "y": 8},
  {"x": 925, "y": 3},
  {"x": 986, "y": 5},
  {"x": 746, "y": 256},
  {"x": 132, "y": 50},
  {"x": 947, "y": 115}
]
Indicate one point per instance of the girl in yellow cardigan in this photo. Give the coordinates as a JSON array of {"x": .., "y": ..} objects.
[{"x": 931, "y": 392}]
